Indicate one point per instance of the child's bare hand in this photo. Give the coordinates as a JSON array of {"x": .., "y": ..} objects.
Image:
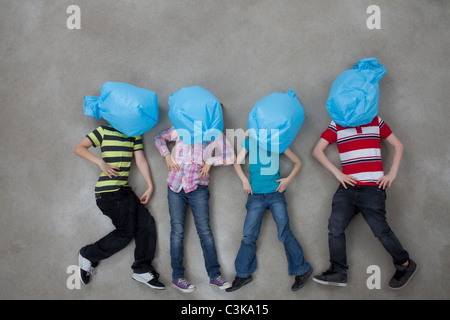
[
  {"x": 146, "y": 196},
  {"x": 110, "y": 171},
  {"x": 284, "y": 182},
  {"x": 385, "y": 181},
  {"x": 345, "y": 179},
  {"x": 203, "y": 172},
  {"x": 247, "y": 187},
  {"x": 171, "y": 165}
]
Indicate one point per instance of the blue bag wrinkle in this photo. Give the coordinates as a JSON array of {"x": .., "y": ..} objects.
[
  {"x": 196, "y": 114},
  {"x": 129, "y": 109},
  {"x": 276, "y": 120},
  {"x": 353, "y": 98},
  {"x": 91, "y": 107}
]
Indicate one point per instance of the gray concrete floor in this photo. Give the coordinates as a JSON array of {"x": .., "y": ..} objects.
[{"x": 240, "y": 50}]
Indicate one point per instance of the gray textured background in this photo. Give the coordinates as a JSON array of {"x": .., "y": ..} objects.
[{"x": 240, "y": 50}]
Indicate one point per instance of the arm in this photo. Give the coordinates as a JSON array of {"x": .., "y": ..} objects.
[
  {"x": 284, "y": 182},
  {"x": 144, "y": 169},
  {"x": 161, "y": 141},
  {"x": 237, "y": 167},
  {"x": 227, "y": 156},
  {"x": 319, "y": 154},
  {"x": 386, "y": 181},
  {"x": 82, "y": 150}
]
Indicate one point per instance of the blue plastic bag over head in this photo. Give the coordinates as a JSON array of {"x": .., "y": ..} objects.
[
  {"x": 353, "y": 98},
  {"x": 275, "y": 121},
  {"x": 196, "y": 114},
  {"x": 128, "y": 109}
]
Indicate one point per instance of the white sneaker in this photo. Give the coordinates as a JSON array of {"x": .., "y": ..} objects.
[
  {"x": 86, "y": 269},
  {"x": 150, "y": 279}
]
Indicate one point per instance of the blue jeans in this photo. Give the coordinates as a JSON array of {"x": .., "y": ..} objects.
[
  {"x": 245, "y": 263},
  {"x": 370, "y": 201},
  {"x": 199, "y": 202}
]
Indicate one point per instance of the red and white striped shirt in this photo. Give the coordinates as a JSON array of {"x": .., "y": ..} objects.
[{"x": 360, "y": 149}]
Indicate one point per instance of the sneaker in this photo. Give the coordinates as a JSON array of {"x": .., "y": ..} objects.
[
  {"x": 183, "y": 285},
  {"x": 87, "y": 268},
  {"x": 238, "y": 283},
  {"x": 403, "y": 275},
  {"x": 219, "y": 283},
  {"x": 150, "y": 279},
  {"x": 300, "y": 280},
  {"x": 331, "y": 277}
]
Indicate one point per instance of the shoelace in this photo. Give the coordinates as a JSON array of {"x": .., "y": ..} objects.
[
  {"x": 91, "y": 271},
  {"x": 154, "y": 274},
  {"x": 219, "y": 280},
  {"x": 184, "y": 282}
]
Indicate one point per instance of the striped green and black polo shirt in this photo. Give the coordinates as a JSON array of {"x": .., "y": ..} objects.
[{"x": 117, "y": 150}]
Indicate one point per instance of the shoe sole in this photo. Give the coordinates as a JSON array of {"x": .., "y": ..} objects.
[
  {"x": 184, "y": 290},
  {"x": 224, "y": 287},
  {"x": 79, "y": 270},
  {"x": 329, "y": 283},
  {"x": 412, "y": 275},
  {"x": 81, "y": 278},
  {"x": 141, "y": 280}
]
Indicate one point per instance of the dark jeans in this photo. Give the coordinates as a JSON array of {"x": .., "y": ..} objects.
[
  {"x": 132, "y": 220},
  {"x": 199, "y": 202},
  {"x": 370, "y": 201}
]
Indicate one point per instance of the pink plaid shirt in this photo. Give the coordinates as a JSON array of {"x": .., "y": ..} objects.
[{"x": 190, "y": 159}]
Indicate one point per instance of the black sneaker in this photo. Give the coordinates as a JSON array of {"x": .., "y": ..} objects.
[
  {"x": 87, "y": 268},
  {"x": 238, "y": 283},
  {"x": 403, "y": 275},
  {"x": 300, "y": 280},
  {"x": 331, "y": 277},
  {"x": 150, "y": 279}
]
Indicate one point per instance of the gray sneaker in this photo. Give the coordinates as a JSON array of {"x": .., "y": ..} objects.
[
  {"x": 150, "y": 279},
  {"x": 331, "y": 278},
  {"x": 300, "y": 280},
  {"x": 403, "y": 275}
]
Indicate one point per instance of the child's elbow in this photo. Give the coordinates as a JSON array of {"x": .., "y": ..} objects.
[
  {"x": 76, "y": 149},
  {"x": 315, "y": 153}
]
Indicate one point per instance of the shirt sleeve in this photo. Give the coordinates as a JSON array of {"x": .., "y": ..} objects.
[
  {"x": 163, "y": 138},
  {"x": 138, "y": 144},
  {"x": 330, "y": 134},
  {"x": 385, "y": 130},
  {"x": 96, "y": 136},
  {"x": 227, "y": 156}
]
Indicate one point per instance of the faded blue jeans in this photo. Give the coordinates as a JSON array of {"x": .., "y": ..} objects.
[
  {"x": 370, "y": 201},
  {"x": 199, "y": 202},
  {"x": 245, "y": 263}
]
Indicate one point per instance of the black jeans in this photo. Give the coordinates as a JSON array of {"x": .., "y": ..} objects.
[
  {"x": 132, "y": 220},
  {"x": 370, "y": 201}
]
